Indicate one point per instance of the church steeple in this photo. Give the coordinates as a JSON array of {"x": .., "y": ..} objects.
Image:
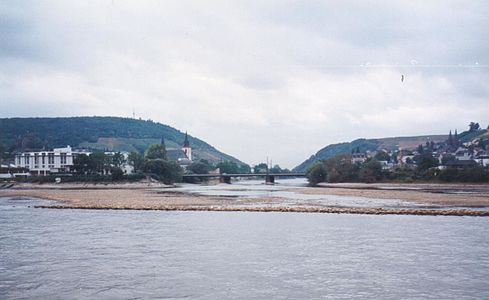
[
  {"x": 186, "y": 147},
  {"x": 186, "y": 143}
]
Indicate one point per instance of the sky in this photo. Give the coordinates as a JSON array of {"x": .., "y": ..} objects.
[{"x": 255, "y": 79}]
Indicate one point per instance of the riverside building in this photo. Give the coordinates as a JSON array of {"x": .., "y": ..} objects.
[{"x": 59, "y": 160}]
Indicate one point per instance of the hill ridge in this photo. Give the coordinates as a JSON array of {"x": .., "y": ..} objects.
[{"x": 102, "y": 132}]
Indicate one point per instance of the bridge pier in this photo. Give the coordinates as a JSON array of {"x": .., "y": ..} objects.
[
  {"x": 270, "y": 179},
  {"x": 225, "y": 179}
]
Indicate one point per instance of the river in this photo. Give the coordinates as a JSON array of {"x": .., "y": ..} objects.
[
  {"x": 107, "y": 254},
  {"x": 289, "y": 192}
]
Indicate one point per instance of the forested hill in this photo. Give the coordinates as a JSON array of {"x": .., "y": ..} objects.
[{"x": 105, "y": 133}]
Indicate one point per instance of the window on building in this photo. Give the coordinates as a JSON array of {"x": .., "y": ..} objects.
[
  {"x": 63, "y": 158},
  {"x": 51, "y": 158}
]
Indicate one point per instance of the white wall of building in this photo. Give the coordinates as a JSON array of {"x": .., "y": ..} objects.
[{"x": 45, "y": 162}]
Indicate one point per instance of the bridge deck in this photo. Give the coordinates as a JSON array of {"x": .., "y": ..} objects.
[{"x": 248, "y": 175}]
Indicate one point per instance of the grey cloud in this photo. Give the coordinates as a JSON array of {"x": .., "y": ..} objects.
[{"x": 283, "y": 76}]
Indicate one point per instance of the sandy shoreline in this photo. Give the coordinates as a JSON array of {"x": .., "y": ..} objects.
[{"x": 154, "y": 196}]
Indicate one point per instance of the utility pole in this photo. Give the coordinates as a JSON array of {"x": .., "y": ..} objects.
[{"x": 267, "y": 165}]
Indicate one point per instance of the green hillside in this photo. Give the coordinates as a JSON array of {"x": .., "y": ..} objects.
[{"x": 105, "y": 133}]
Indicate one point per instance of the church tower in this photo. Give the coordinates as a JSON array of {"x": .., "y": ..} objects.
[{"x": 186, "y": 147}]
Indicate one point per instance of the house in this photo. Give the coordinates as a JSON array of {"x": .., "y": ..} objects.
[
  {"x": 59, "y": 160},
  {"x": 386, "y": 165},
  {"x": 483, "y": 159},
  {"x": 464, "y": 154}
]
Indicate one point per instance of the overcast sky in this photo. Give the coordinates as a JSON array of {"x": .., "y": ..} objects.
[{"x": 256, "y": 78}]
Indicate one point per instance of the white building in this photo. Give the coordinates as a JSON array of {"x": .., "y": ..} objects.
[
  {"x": 59, "y": 160},
  {"x": 483, "y": 160}
]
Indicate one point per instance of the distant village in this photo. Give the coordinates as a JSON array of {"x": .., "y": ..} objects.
[
  {"x": 451, "y": 153},
  {"x": 460, "y": 158}
]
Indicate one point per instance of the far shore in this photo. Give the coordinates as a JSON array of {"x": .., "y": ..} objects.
[{"x": 450, "y": 199}]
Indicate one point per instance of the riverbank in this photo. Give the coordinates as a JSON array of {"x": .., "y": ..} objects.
[
  {"x": 462, "y": 195},
  {"x": 457, "y": 200}
]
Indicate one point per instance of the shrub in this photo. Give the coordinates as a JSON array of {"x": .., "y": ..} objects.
[
  {"x": 317, "y": 173},
  {"x": 166, "y": 171}
]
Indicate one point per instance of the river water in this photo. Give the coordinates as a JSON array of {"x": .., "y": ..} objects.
[
  {"x": 107, "y": 254},
  {"x": 289, "y": 193}
]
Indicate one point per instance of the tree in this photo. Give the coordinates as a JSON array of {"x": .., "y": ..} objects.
[
  {"x": 340, "y": 168},
  {"x": 168, "y": 172},
  {"x": 155, "y": 151},
  {"x": 403, "y": 174},
  {"x": 466, "y": 174},
  {"x": 382, "y": 155},
  {"x": 2, "y": 152},
  {"x": 474, "y": 126},
  {"x": 276, "y": 169},
  {"x": 97, "y": 162},
  {"x": 420, "y": 149},
  {"x": 447, "y": 158},
  {"x": 482, "y": 144},
  {"x": 371, "y": 171},
  {"x": 244, "y": 169},
  {"x": 228, "y": 167},
  {"x": 117, "y": 159},
  {"x": 116, "y": 173},
  {"x": 260, "y": 168},
  {"x": 81, "y": 164},
  {"x": 136, "y": 160},
  {"x": 426, "y": 162},
  {"x": 317, "y": 173},
  {"x": 199, "y": 168}
]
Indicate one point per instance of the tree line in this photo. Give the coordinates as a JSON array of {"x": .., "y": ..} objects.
[
  {"x": 341, "y": 169},
  {"x": 153, "y": 163}
]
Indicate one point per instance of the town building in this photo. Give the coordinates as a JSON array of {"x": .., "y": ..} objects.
[
  {"x": 483, "y": 159},
  {"x": 59, "y": 160},
  {"x": 464, "y": 154}
]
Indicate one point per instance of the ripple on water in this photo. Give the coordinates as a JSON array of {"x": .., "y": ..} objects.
[{"x": 88, "y": 254}]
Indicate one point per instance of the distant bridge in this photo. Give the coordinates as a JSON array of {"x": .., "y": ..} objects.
[{"x": 226, "y": 178}]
